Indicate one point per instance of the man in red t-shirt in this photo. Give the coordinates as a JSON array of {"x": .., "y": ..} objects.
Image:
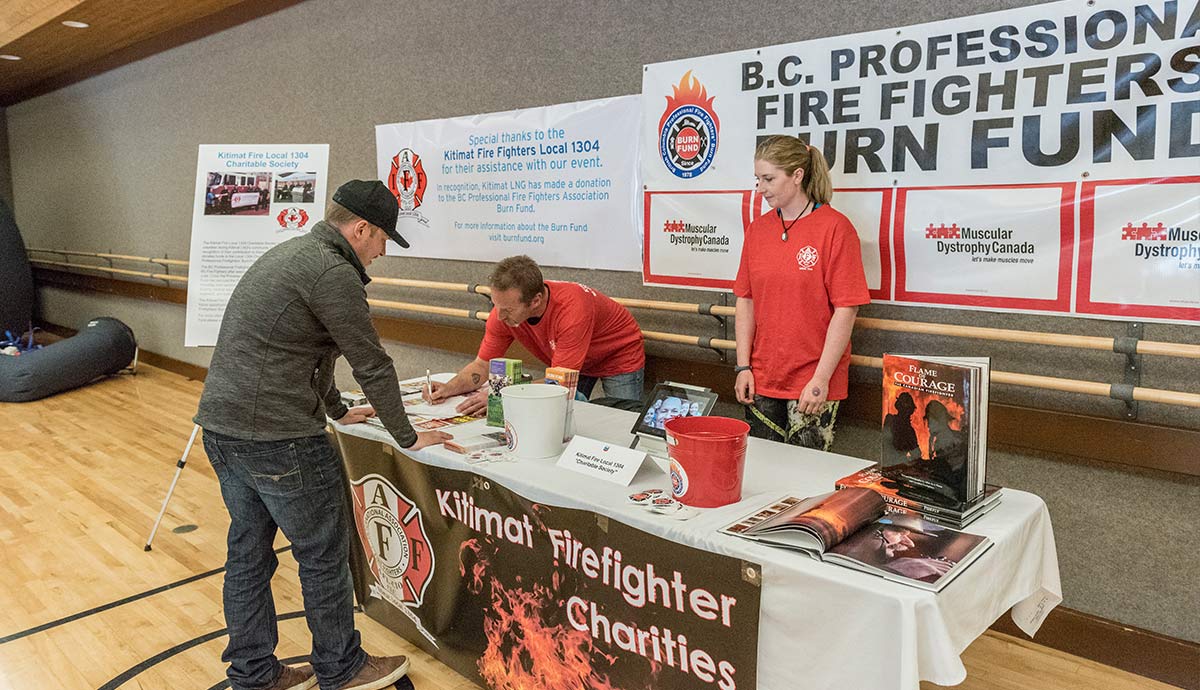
[{"x": 564, "y": 325}]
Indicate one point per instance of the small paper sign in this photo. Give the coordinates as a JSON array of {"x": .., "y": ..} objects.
[{"x": 607, "y": 461}]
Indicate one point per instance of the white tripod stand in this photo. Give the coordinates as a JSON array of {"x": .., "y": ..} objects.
[{"x": 178, "y": 470}]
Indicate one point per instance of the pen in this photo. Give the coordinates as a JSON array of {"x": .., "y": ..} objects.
[{"x": 429, "y": 384}]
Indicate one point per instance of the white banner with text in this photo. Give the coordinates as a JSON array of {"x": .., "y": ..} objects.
[
  {"x": 559, "y": 183},
  {"x": 1038, "y": 159}
]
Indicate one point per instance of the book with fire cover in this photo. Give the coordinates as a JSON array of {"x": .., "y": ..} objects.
[
  {"x": 852, "y": 528},
  {"x": 935, "y": 427}
]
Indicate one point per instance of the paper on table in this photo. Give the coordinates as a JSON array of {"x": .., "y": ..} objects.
[{"x": 442, "y": 410}]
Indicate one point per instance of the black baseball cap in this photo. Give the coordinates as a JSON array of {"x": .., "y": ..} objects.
[{"x": 373, "y": 202}]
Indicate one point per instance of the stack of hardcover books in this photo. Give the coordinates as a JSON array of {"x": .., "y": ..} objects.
[
  {"x": 934, "y": 445},
  {"x": 908, "y": 500}
]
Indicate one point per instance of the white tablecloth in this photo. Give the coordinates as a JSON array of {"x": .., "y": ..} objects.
[{"x": 821, "y": 625}]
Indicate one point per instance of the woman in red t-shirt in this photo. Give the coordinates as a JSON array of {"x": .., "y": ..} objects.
[{"x": 798, "y": 290}]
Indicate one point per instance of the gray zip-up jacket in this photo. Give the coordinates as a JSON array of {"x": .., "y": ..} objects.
[{"x": 297, "y": 308}]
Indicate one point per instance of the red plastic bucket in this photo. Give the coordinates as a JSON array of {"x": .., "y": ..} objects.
[{"x": 708, "y": 455}]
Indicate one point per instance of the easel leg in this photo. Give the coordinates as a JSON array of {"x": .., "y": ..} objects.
[{"x": 167, "y": 499}]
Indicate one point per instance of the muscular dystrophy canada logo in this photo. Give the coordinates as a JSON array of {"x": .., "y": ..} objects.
[
  {"x": 687, "y": 132},
  {"x": 1160, "y": 241},
  {"x": 394, "y": 541},
  {"x": 292, "y": 218},
  {"x": 699, "y": 238},
  {"x": 984, "y": 245},
  {"x": 408, "y": 181}
]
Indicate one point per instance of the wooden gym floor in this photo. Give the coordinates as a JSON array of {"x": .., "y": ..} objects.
[{"x": 82, "y": 606}]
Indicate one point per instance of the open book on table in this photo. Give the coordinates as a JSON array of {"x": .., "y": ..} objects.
[{"x": 851, "y": 528}]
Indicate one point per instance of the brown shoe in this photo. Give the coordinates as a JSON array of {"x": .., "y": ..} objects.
[
  {"x": 378, "y": 672},
  {"x": 295, "y": 678}
]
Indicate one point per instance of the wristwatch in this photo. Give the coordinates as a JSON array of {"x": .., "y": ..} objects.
[{"x": 740, "y": 369}]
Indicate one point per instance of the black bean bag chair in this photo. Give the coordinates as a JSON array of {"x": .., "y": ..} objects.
[
  {"x": 16, "y": 278},
  {"x": 101, "y": 348}
]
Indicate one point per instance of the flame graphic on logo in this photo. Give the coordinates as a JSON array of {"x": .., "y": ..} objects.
[
  {"x": 689, "y": 91},
  {"x": 524, "y": 650}
]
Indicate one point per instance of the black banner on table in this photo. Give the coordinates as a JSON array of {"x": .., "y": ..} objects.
[{"x": 516, "y": 594}]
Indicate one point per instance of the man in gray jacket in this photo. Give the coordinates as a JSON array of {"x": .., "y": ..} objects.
[{"x": 269, "y": 388}]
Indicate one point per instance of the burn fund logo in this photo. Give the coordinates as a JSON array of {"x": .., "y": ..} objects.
[
  {"x": 679, "y": 480},
  {"x": 687, "y": 132},
  {"x": 510, "y": 436},
  {"x": 408, "y": 182},
  {"x": 292, "y": 218},
  {"x": 394, "y": 542}
]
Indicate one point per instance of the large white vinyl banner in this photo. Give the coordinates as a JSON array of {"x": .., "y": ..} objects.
[
  {"x": 248, "y": 199},
  {"x": 1040, "y": 159},
  {"x": 559, "y": 183}
]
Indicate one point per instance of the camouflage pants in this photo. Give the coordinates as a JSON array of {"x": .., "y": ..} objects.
[{"x": 770, "y": 417}]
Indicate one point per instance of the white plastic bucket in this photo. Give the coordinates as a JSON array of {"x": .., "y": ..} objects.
[{"x": 534, "y": 418}]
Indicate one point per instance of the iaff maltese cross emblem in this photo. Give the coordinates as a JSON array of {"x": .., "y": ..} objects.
[{"x": 395, "y": 544}]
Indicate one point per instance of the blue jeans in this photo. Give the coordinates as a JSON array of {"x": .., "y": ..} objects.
[
  {"x": 296, "y": 486},
  {"x": 624, "y": 386}
]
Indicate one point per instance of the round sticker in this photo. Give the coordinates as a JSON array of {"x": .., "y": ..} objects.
[
  {"x": 665, "y": 505},
  {"x": 644, "y": 497}
]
